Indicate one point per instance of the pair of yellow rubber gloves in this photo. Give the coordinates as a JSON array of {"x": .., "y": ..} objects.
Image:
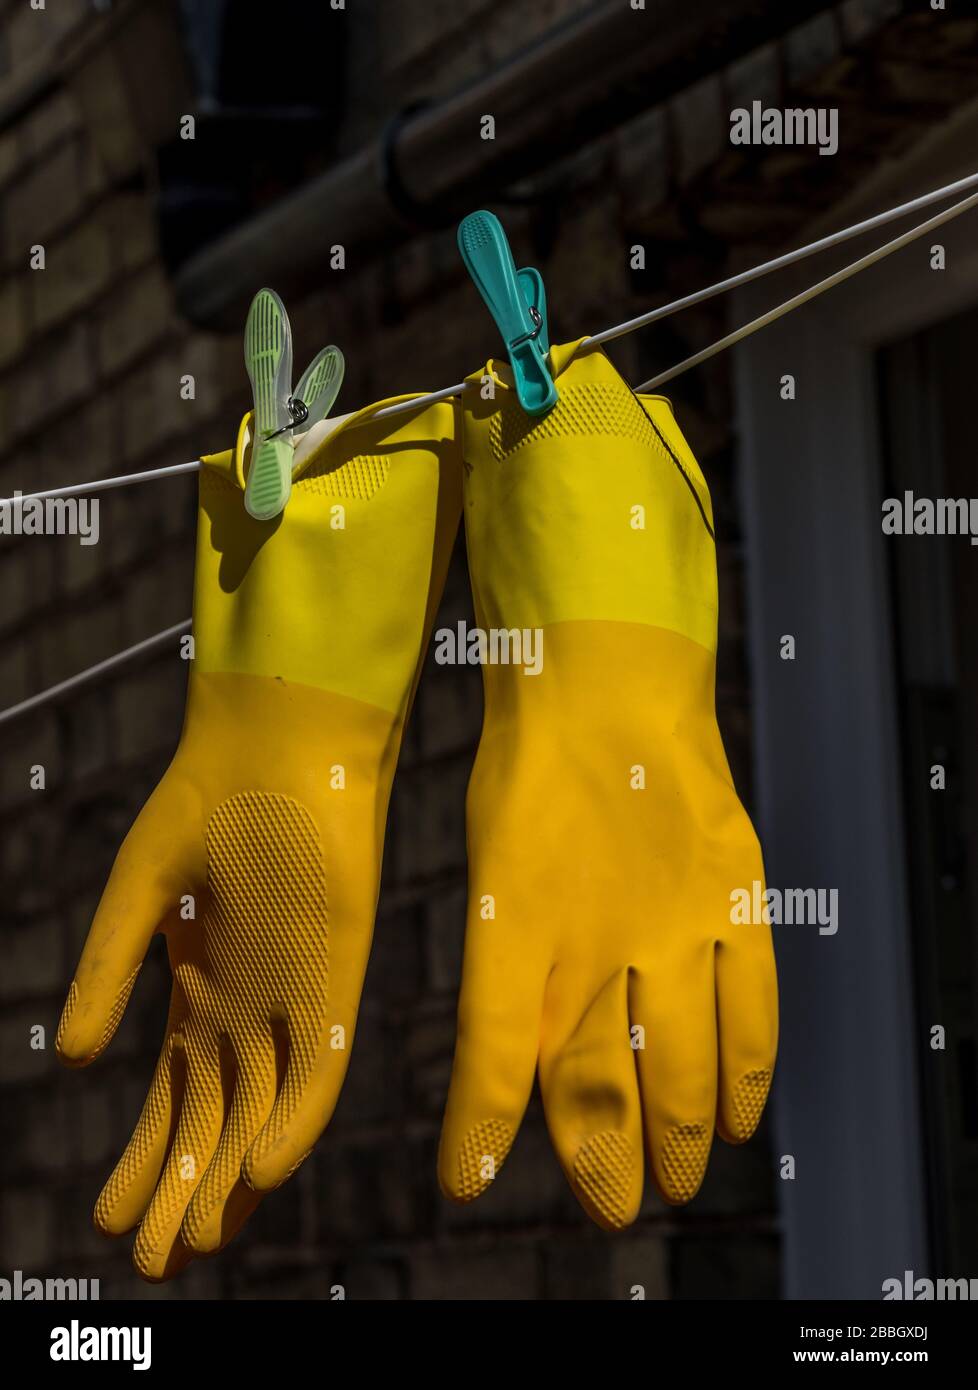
[{"x": 605, "y": 837}]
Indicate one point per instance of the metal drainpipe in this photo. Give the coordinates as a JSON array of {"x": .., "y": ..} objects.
[{"x": 581, "y": 80}]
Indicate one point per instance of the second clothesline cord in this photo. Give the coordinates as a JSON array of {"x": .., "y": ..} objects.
[{"x": 655, "y": 316}]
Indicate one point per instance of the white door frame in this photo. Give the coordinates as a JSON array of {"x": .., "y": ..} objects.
[{"x": 826, "y": 735}]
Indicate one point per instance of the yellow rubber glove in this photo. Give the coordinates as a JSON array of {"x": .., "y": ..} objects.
[
  {"x": 270, "y": 819},
  {"x": 605, "y": 835}
]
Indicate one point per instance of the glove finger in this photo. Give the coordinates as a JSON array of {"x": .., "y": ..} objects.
[
  {"x": 496, "y": 1048},
  {"x": 159, "y": 1252},
  {"x": 222, "y": 1203},
  {"x": 675, "y": 1009},
  {"x": 222, "y": 1222},
  {"x": 144, "y": 887},
  {"x": 126, "y": 1195},
  {"x": 591, "y": 1097},
  {"x": 747, "y": 1011},
  {"x": 300, "y": 1113},
  {"x": 315, "y": 1033}
]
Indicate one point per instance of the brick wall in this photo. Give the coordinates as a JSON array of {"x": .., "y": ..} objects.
[{"x": 91, "y": 356}]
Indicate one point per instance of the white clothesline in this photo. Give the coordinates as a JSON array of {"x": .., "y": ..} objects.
[
  {"x": 825, "y": 243},
  {"x": 653, "y": 316},
  {"x": 813, "y": 291},
  {"x": 733, "y": 282},
  {"x": 99, "y": 669}
]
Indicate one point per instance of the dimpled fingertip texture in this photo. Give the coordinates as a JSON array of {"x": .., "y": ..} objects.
[
  {"x": 296, "y": 1166},
  {"x": 361, "y": 478},
  {"x": 748, "y": 1100},
  {"x": 111, "y": 1023},
  {"x": 603, "y": 1171},
  {"x": 66, "y": 1013},
  {"x": 491, "y": 1139},
  {"x": 684, "y": 1156}
]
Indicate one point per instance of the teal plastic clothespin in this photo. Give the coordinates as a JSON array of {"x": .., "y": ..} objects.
[
  {"x": 488, "y": 259},
  {"x": 531, "y": 283}
]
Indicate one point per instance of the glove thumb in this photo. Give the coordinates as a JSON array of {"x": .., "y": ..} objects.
[{"x": 142, "y": 890}]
